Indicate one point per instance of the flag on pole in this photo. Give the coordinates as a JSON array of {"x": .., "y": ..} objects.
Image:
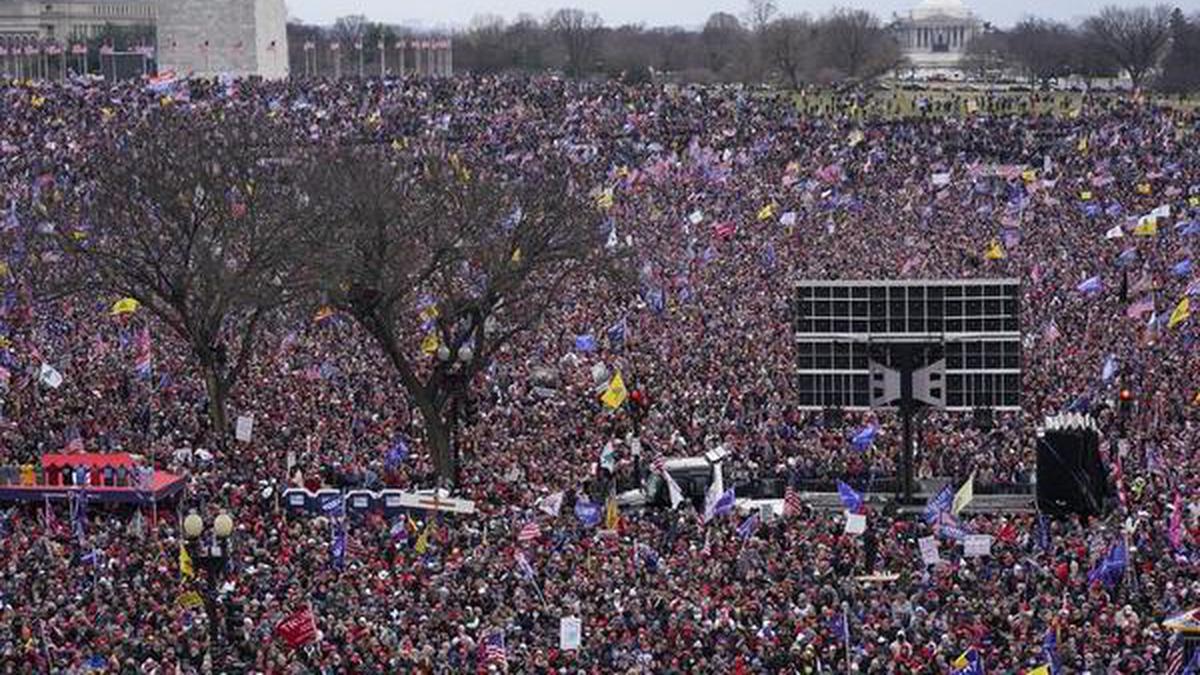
[
  {"x": 717, "y": 502},
  {"x": 529, "y": 532},
  {"x": 1111, "y": 568},
  {"x": 865, "y": 437},
  {"x": 994, "y": 251},
  {"x": 185, "y": 563},
  {"x": 1050, "y": 651},
  {"x": 792, "y": 504},
  {"x": 939, "y": 503},
  {"x": 852, "y": 500},
  {"x": 612, "y": 515},
  {"x": 494, "y": 650},
  {"x": 124, "y": 306},
  {"x": 1183, "y": 311},
  {"x": 968, "y": 663},
  {"x": 965, "y": 494},
  {"x": 551, "y": 504},
  {"x": 615, "y": 394},
  {"x": 749, "y": 526}
]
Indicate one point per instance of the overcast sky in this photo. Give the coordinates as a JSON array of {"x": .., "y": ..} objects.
[{"x": 687, "y": 13}]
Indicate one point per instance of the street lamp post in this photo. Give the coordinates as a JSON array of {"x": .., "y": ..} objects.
[
  {"x": 211, "y": 558},
  {"x": 458, "y": 392}
]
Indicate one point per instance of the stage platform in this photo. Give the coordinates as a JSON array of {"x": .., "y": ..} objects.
[{"x": 110, "y": 478}]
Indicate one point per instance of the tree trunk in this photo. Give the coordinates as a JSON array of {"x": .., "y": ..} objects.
[
  {"x": 217, "y": 392},
  {"x": 437, "y": 433}
]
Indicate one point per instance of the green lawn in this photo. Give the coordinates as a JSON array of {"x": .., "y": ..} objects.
[{"x": 959, "y": 101}]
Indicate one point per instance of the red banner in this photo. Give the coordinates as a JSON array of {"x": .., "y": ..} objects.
[{"x": 298, "y": 629}]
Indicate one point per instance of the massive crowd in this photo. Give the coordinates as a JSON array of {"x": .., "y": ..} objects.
[{"x": 691, "y": 170}]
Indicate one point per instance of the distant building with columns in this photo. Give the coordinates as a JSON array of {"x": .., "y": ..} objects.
[{"x": 935, "y": 34}]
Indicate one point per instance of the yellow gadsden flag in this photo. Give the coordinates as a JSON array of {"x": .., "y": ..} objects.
[
  {"x": 1182, "y": 312},
  {"x": 185, "y": 563},
  {"x": 766, "y": 212},
  {"x": 124, "y": 306},
  {"x": 615, "y": 394},
  {"x": 995, "y": 251}
]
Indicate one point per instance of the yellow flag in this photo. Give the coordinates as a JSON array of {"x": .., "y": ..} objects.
[
  {"x": 124, "y": 306},
  {"x": 994, "y": 251},
  {"x": 3, "y": 269},
  {"x": 615, "y": 394},
  {"x": 612, "y": 516},
  {"x": 1083, "y": 145},
  {"x": 766, "y": 212},
  {"x": 1182, "y": 312},
  {"x": 191, "y": 599},
  {"x": 516, "y": 256},
  {"x": 1194, "y": 202},
  {"x": 1029, "y": 175},
  {"x": 37, "y": 101},
  {"x": 423, "y": 539},
  {"x": 5, "y": 343},
  {"x": 1086, "y": 195},
  {"x": 1040, "y": 670},
  {"x": 185, "y": 563},
  {"x": 1144, "y": 189},
  {"x": 431, "y": 343},
  {"x": 1147, "y": 227},
  {"x": 965, "y": 494},
  {"x": 605, "y": 200}
]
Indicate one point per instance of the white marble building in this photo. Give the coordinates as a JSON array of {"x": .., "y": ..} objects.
[
  {"x": 207, "y": 38},
  {"x": 935, "y": 34}
]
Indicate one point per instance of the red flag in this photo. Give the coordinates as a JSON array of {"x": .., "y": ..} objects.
[{"x": 298, "y": 629}]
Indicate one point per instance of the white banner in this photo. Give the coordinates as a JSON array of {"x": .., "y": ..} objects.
[
  {"x": 856, "y": 523},
  {"x": 50, "y": 377},
  {"x": 977, "y": 545},
  {"x": 570, "y": 633},
  {"x": 929, "y": 550},
  {"x": 245, "y": 428}
]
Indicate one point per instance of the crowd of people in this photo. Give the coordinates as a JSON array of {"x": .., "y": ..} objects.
[{"x": 726, "y": 197}]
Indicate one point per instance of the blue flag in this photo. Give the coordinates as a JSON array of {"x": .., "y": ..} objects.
[
  {"x": 938, "y": 503},
  {"x": 1112, "y": 567},
  {"x": 588, "y": 513},
  {"x": 1110, "y": 368},
  {"x": 1127, "y": 257},
  {"x": 656, "y": 298},
  {"x": 1043, "y": 533},
  {"x": 1090, "y": 286},
  {"x": 1183, "y": 268},
  {"x": 749, "y": 526},
  {"x": 616, "y": 334},
  {"x": 970, "y": 663},
  {"x": 585, "y": 343},
  {"x": 337, "y": 547},
  {"x": 865, "y": 437},
  {"x": 397, "y": 453},
  {"x": 1050, "y": 651},
  {"x": 850, "y": 499}
]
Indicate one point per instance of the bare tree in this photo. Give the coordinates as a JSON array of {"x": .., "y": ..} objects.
[
  {"x": 788, "y": 45},
  {"x": 444, "y": 264},
  {"x": 191, "y": 216},
  {"x": 759, "y": 13},
  {"x": 1135, "y": 38},
  {"x": 724, "y": 39},
  {"x": 855, "y": 43},
  {"x": 1044, "y": 49},
  {"x": 579, "y": 33},
  {"x": 987, "y": 53},
  {"x": 1181, "y": 67}
]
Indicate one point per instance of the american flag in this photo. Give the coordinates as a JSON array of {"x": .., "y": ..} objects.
[
  {"x": 1175, "y": 656},
  {"x": 792, "y": 504},
  {"x": 79, "y": 50},
  {"x": 494, "y": 650},
  {"x": 529, "y": 532}
]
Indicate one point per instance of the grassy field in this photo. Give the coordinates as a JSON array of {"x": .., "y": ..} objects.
[{"x": 948, "y": 101}]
